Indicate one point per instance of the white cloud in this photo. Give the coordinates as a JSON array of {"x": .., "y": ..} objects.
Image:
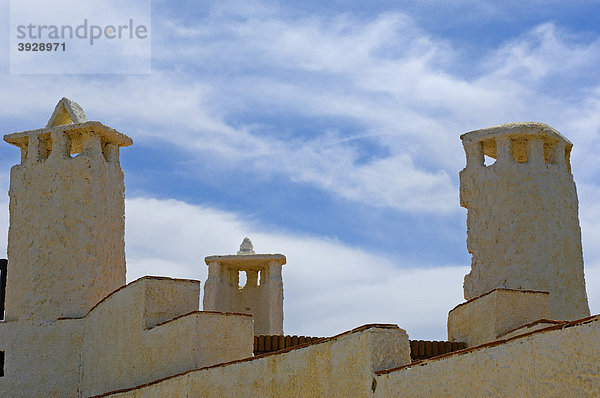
[
  {"x": 589, "y": 215},
  {"x": 329, "y": 287},
  {"x": 545, "y": 52}
]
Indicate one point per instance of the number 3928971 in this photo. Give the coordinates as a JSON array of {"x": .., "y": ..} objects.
[{"x": 41, "y": 47}]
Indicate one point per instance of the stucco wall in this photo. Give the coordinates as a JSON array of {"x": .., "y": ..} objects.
[
  {"x": 484, "y": 318},
  {"x": 341, "y": 366},
  {"x": 41, "y": 359},
  {"x": 144, "y": 331},
  {"x": 558, "y": 362},
  {"x": 127, "y": 344}
]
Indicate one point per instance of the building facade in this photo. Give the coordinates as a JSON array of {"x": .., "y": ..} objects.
[{"x": 71, "y": 327}]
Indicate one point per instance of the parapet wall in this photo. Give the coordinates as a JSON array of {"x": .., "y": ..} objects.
[
  {"x": 559, "y": 361},
  {"x": 340, "y": 366},
  {"x": 484, "y": 318},
  {"x": 41, "y": 359},
  {"x": 152, "y": 329},
  {"x": 142, "y": 332}
]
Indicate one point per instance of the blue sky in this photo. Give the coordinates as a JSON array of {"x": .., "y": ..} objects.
[{"x": 329, "y": 132}]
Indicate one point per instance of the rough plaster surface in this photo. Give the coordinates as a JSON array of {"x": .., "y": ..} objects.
[
  {"x": 129, "y": 341},
  {"x": 142, "y": 332},
  {"x": 42, "y": 359},
  {"x": 530, "y": 327},
  {"x": 341, "y": 366},
  {"x": 66, "y": 218},
  {"x": 559, "y": 362},
  {"x": 522, "y": 219},
  {"x": 261, "y": 296},
  {"x": 485, "y": 318}
]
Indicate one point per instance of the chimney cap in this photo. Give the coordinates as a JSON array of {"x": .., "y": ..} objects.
[{"x": 515, "y": 129}]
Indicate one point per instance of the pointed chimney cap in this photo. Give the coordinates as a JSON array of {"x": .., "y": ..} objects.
[
  {"x": 67, "y": 112},
  {"x": 246, "y": 247}
]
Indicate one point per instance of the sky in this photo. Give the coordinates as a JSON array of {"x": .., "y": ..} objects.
[{"x": 329, "y": 132}]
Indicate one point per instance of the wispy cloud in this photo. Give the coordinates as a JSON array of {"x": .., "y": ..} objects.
[{"x": 230, "y": 81}]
